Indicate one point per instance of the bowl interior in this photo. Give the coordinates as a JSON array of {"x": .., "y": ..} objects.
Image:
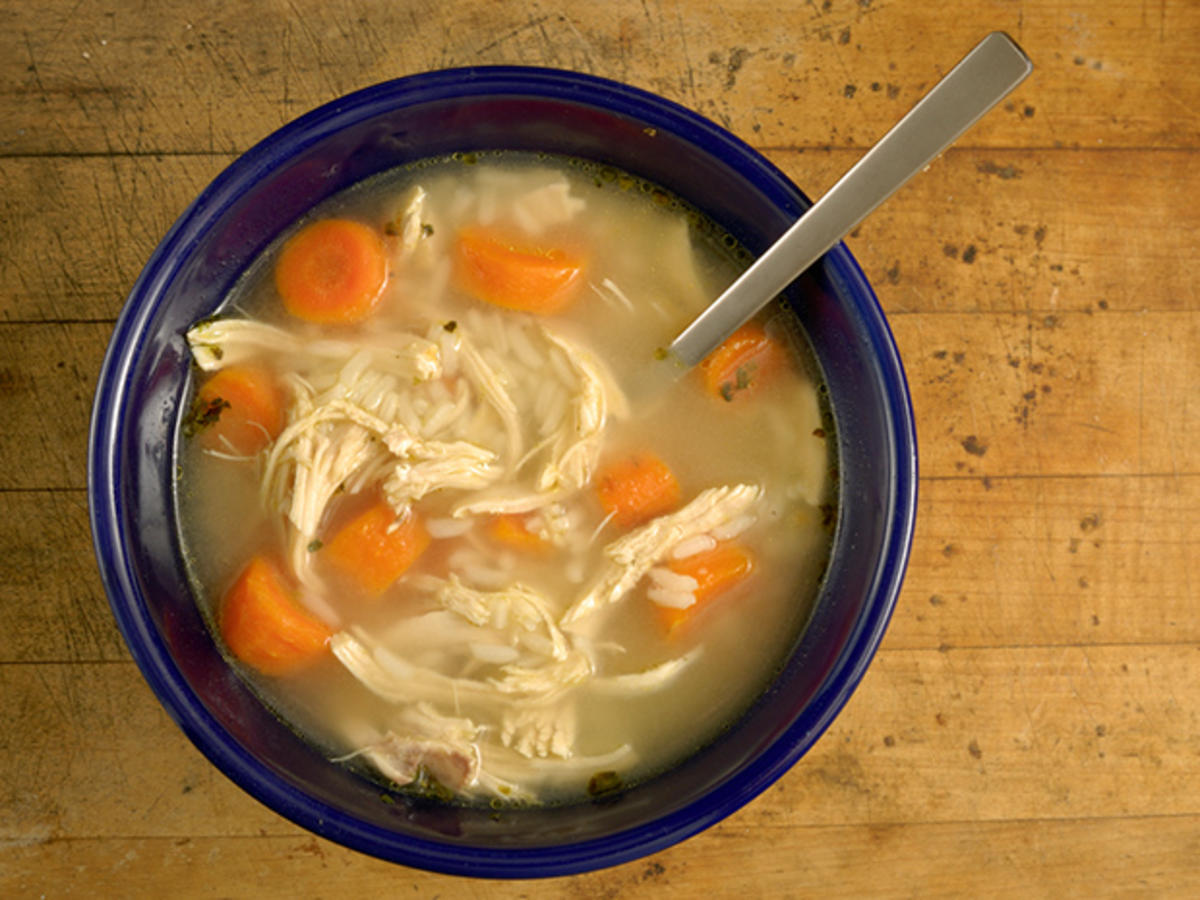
[{"x": 137, "y": 412}]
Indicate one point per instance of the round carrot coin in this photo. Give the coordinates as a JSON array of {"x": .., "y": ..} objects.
[{"x": 332, "y": 272}]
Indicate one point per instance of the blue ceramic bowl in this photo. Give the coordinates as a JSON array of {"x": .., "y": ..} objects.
[{"x": 140, "y": 395}]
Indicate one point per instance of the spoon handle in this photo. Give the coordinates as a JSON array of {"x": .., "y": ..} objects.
[{"x": 981, "y": 80}]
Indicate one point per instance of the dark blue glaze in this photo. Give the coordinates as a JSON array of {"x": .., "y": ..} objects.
[{"x": 145, "y": 373}]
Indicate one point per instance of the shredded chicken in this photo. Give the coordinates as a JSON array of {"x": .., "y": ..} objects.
[
  {"x": 399, "y": 681},
  {"x": 422, "y": 467},
  {"x": 540, "y": 731},
  {"x": 410, "y": 226},
  {"x": 520, "y": 610},
  {"x": 651, "y": 679},
  {"x": 577, "y": 444},
  {"x": 401, "y": 757},
  {"x": 217, "y": 343},
  {"x": 634, "y": 554}
]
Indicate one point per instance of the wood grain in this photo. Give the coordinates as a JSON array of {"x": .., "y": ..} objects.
[
  {"x": 1085, "y": 858},
  {"x": 81, "y": 79},
  {"x": 1030, "y": 727}
]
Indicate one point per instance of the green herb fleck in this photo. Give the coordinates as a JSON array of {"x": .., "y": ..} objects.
[
  {"x": 426, "y": 785},
  {"x": 827, "y": 514},
  {"x": 604, "y": 784},
  {"x": 727, "y": 391},
  {"x": 204, "y": 414},
  {"x": 391, "y": 229},
  {"x": 450, "y": 326},
  {"x": 660, "y": 353},
  {"x": 315, "y": 545},
  {"x": 743, "y": 377},
  {"x": 426, "y": 229}
]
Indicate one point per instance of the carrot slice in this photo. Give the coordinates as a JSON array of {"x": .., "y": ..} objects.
[
  {"x": 375, "y": 548},
  {"x": 716, "y": 571},
  {"x": 332, "y": 271},
  {"x": 523, "y": 277},
  {"x": 637, "y": 488},
  {"x": 748, "y": 359},
  {"x": 513, "y": 530},
  {"x": 238, "y": 410},
  {"x": 262, "y": 625}
]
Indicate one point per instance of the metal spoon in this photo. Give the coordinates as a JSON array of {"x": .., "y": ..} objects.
[{"x": 985, "y": 76}]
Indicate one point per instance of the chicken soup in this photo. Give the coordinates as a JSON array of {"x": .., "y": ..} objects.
[{"x": 439, "y": 521}]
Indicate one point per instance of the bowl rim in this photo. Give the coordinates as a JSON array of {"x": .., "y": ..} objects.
[{"x": 106, "y": 507}]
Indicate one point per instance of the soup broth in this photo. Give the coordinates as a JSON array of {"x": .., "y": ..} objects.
[{"x": 448, "y": 521}]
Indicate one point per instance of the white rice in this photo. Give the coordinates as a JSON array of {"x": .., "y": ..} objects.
[
  {"x": 671, "y": 599},
  {"x": 562, "y": 369},
  {"x": 406, "y": 415},
  {"x": 441, "y": 417},
  {"x": 496, "y": 331},
  {"x": 553, "y": 416},
  {"x": 486, "y": 206},
  {"x": 538, "y": 643},
  {"x": 526, "y": 220},
  {"x": 541, "y": 399},
  {"x": 448, "y": 344},
  {"x": 575, "y": 570},
  {"x": 485, "y": 576},
  {"x": 672, "y": 581},
  {"x": 493, "y": 653},
  {"x": 733, "y": 527},
  {"x": 524, "y": 350},
  {"x": 442, "y": 528},
  {"x": 701, "y": 543}
]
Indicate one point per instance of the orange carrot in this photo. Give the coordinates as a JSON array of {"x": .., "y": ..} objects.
[
  {"x": 637, "y": 488},
  {"x": 518, "y": 276},
  {"x": 513, "y": 530},
  {"x": 748, "y": 359},
  {"x": 239, "y": 410},
  {"x": 375, "y": 548},
  {"x": 332, "y": 271},
  {"x": 716, "y": 571},
  {"x": 263, "y": 626}
]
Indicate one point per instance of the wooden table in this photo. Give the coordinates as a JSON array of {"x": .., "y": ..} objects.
[{"x": 1030, "y": 726}]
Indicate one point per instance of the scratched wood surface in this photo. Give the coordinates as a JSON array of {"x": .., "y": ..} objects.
[{"x": 1030, "y": 726}]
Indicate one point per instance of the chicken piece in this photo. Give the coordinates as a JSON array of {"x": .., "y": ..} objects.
[
  {"x": 540, "y": 731},
  {"x": 648, "y": 680},
  {"x": 546, "y": 681},
  {"x": 517, "y": 609},
  {"x": 401, "y": 757},
  {"x": 577, "y": 444},
  {"x": 399, "y": 681},
  {"x": 314, "y": 455},
  {"x": 408, "y": 224},
  {"x": 634, "y": 554},
  {"x": 422, "y": 467},
  {"x": 221, "y": 342}
]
